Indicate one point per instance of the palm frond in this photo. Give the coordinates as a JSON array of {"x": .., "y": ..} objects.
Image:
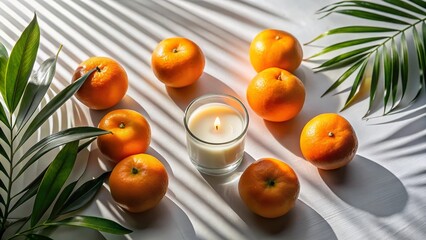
[{"x": 388, "y": 49}]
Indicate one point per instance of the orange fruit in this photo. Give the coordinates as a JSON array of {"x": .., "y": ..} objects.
[
  {"x": 177, "y": 62},
  {"x": 275, "y": 48},
  {"x": 269, "y": 187},
  {"x": 138, "y": 183},
  {"x": 105, "y": 87},
  {"x": 328, "y": 141},
  {"x": 130, "y": 134},
  {"x": 276, "y": 95}
]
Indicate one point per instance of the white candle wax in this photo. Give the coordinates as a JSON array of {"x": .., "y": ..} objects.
[{"x": 220, "y": 145}]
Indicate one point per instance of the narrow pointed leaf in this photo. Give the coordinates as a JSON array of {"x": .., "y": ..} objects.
[
  {"x": 20, "y": 64},
  {"x": 100, "y": 224},
  {"x": 421, "y": 58},
  {"x": 374, "y": 81},
  {"x": 4, "y": 57},
  {"x": 52, "y": 106},
  {"x": 3, "y": 116},
  {"x": 3, "y": 153},
  {"x": 353, "y": 29},
  {"x": 387, "y": 62},
  {"x": 385, "y": 9},
  {"x": 55, "y": 177},
  {"x": 420, "y": 3},
  {"x": 62, "y": 199},
  {"x": 2, "y": 200},
  {"x": 3, "y": 170},
  {"x": 395, "y": 72},
  {"x": 31, "y": 189},
  {"x": 61, "y": 138},
  {"x": 371, "y": 16},
  {"x": 3, "y": 137},
  {"x": 339, "y": 60},
  {"x": 408, "y": 6},
  {"x": 35, "y": 91},
  {"x": 34, "y": 236},
  {"x": 343, "y": 77},
  {"x": 2, "y": 186},
  {"x": 355, "y": 86},
  {"x": 84, "y": 194},
  {"x": 404, "y": 64},
  {"x": 345, "y": 44}
]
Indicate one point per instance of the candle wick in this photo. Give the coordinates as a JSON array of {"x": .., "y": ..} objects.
[{"x": 217, "y": 127}]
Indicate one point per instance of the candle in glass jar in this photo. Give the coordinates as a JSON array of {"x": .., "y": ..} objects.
[{"x": 215, "y": 134}]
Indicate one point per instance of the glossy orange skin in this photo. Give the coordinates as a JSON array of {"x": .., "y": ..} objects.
[
  {"x": 105, "y": 87},
  {"x": 328, "y": 141},
  {"x": 276, "y": 95},
  {"x": 138, "y": 183},
  {"x": 261, "y": 196},
  {"x": 130, "y": 134},
  {"x": 177, "y": 62},
  {"x": 275, "y": 48}
]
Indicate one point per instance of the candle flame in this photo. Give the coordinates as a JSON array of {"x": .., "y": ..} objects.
[{"x": 217, "y": 123}]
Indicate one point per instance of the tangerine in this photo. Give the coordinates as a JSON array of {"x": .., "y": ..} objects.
[
  {"x": 177, "y": 62},
  {"x": 105, "y": 87},
  {"x": 138, "y": 183},
  {"x": 328, "y": 141},
  {"x": 275, "y": 48},
  {"x": 269, "y": 187},
  {"x": 276, "y": 95},
  {"x": 130, "y": 134}
]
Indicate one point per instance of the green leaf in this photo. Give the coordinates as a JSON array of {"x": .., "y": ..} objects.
[
  {"x": 343, "y": 77},
  {"x": 2, "y": 169},
  {"x": 347, "y": 58},
  {"x": 84, "y": 194},
  {"x": 421, "y": 58},
  {"x": 371, "y": 16},
  {"x": 357, "y": 82},
  {"x": 3, "y": 153},
  {"x": 385, "y": 9},
  {"x": 35, "y": 91},
  {"x": 2, "y": 186},
  {"x": 53, "y": 180},
  {"x": 407, "y": 6},
  {"x": 62, "y": 199},
  {"x": 404, "y": 64},
  {"x": 34, "y": 236},
  {"x": 353, "y": 29},
  {"x": 100, "y": 224},
  {"x": 421, "y": 3},
  {"x": 345, "y": 44},
  {"x": 4, "y": 57},
  {"x": 395, "y": 72},
  {"x": 3, "y": 137},
  {"x": 3, "y": 117},
  {"x": 387, "y": 62},
  {"x": 31, "y": 189},
  {"x": 57, "y": 139},
  {"x": 21, "y": 63},
  {"x": 52, "y": 106},
  {"x": 374, "y": 82}
]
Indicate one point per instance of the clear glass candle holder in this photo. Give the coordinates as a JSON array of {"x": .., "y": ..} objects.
[{"x": 216, "y": 126}]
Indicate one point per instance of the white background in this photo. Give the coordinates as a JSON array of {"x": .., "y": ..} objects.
[{"x": 380, "y": 195}]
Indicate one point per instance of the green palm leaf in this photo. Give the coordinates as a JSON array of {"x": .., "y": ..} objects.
[
  {"x": 17, "y": 90},
  {"x": 52, "y": 106},
  {"x": 4, "y": 57},
  {"x": 389, "y": 50},
  {"x": 20, "y": 64}
]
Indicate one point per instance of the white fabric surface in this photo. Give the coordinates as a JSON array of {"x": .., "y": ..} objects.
[{"x": 380, "y": 195}]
